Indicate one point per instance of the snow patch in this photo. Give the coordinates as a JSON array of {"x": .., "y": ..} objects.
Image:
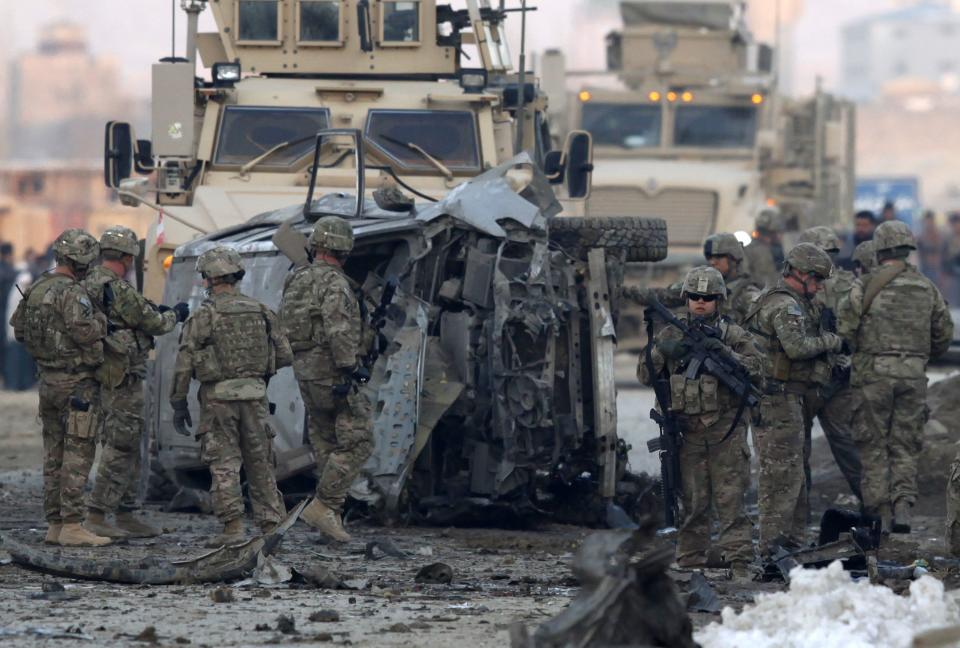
[{"x": 824, "y": 608}]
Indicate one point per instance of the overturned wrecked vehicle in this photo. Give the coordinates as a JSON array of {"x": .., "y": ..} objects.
[{"x": 495, "y": 393}]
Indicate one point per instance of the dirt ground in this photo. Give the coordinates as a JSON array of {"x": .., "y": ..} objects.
[{"x": 500, "y": 577}]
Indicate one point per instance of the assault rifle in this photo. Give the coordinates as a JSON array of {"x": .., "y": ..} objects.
[
  {"x": 840, "y": 371},
  {"x": 700, "y": 359},
  {"x": 378, "y": 320}
]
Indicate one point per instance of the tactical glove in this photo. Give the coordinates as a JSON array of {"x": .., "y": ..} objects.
[
  {"x": 181, "y": 417},
  {"x": 182, "y": 310},
  {"x": 828, "y": 320},
  {"x": 341, "y": 390},
  {"x": 361, "y": 375},
  {"x": 674, "y": 349},
  {"x": 714, "y": 345}
]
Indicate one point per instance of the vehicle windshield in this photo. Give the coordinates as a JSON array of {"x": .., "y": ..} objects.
[
  {"x": 249, "y": 131},
  {"x": 715, "y": 126},
  {"x": 449, "y": 136},
  {"x": 629, "y": 126}
]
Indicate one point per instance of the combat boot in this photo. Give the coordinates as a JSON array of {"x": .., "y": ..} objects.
[
  {"x": 135, "y": 527},
  {"x": 74, "y": 535},
  {"x": 901, "y": 516},
  {"x": 96, "y": 523},
  {"x": 53, "y": 534},
  {"x": 325, "y": 520},
  {"x": 233, "y": 533}
]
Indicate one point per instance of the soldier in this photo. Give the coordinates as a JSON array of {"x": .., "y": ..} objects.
[
  {"x": 714, "y": 457},
  {"x": 864, "y": 258},
  {"x": 765, "y": 252},
  {"x": 133, "y": 321},
  {"x": 321, "y": 317},
  {"x": 897, "y": 320},
  {"x": 832, "y": 403},
  {"x": 786, "y": 325},
  {"x": 233, "y": 345},
  {"x": 724, "y": 253},
  {"x": 60, "y": 328}
]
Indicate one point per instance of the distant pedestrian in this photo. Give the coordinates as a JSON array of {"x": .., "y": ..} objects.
[
  {"x": 19, "y": 369},
  {"x": 864, "y": 223},
  {"x": 888, "y": 213},
  {"x": 930, "y": 249},
  {"x": 764, "y": 253},
  {"x": 8, "y": 276}
]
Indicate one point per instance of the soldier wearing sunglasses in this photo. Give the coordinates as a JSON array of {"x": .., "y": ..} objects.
[
  {"x": 714, "y": 458},
  {"x": 786, "y": 324}
]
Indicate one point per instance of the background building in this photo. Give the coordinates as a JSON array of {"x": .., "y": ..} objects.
[{"x": 919, "y": 41}]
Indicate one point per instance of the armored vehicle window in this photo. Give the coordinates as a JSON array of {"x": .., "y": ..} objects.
[
  {"x": 319, "y": 20},
  {"x": 249, "y": 131},
  {"x": 401, "y": 22},
  {"x": 257, "y": 20},
  {"x": 631, "y": 126},
  {"x": 450, "y": 136},
  {"x": 715, "y": 126}
]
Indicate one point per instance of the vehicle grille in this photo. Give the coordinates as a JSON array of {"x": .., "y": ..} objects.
[{"x": 690, "y": 215}]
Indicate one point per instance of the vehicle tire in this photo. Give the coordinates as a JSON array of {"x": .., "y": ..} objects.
[{"x": 643, "y": 239}]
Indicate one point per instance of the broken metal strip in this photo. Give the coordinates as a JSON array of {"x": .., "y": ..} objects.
[{"x": 604, "y": 384}]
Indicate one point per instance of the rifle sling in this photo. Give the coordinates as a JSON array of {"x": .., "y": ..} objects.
[{"x": 879, "y": 280}]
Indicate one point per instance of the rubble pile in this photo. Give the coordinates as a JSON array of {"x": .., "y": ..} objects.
[{"x": 826, "y": 609}]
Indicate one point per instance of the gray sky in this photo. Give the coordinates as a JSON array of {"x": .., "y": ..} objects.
[{"x": 137, "y": 32}]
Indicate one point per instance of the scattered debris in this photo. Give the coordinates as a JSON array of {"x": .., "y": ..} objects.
[
  {"x": 320, "y": 577},
  {"x": 325, "y": 616},
  {"x": 148, "y": 635},
  {"x": 425, "y": 551},
  {"x": 387, "y": 547},
  {"x": 435, "y": 573},
  {"x": 286, "y": 624},
  {"x": 219, "y": 565},
  {"x": 73, "y": 632},
  {"x": 223, "y": 595},
  {"x": 182, "y": 640},
  {"x": 627, "y": 597},
  {"x": 702, "y": 597},
  {"x": 782, "y": 562},
  {"x": 398, "y": 627},
  {"x": 824, "y": 608},
  {"x": 262, "y": 627},
  {"x": 270, "y": 571},
  {"x": 54, "y": 591}
]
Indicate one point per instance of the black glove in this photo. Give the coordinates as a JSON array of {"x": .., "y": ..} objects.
[
  {"x": 341, "y": 390},
  {"x": 674, "y": 349},
  {"x": 163, "y": 308},
  {"x": 845, "y": 348},
  {"x": 361, "y": 375},
  {"x": 181, "y": 417},
  {"x": 182, "y": 310}
]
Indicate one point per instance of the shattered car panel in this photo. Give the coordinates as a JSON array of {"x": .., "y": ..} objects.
[{"x": 485, "y": 397}]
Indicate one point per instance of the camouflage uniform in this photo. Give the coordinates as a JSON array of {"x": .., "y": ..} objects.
[
  {"x": 786, "y": 325},
  {"x": 60, "y": 328},
  {"x": 232, "y": 344},
  {"x": 834, "y": 406},
  {"x": 897, "y": 320},
  {"x": 321, "y": 317},
  {"x": 864, "y": 258},
  {"x": 134, "y": 321},
  {"x": 742, "y": 289},
  {"x": 953, "y": 509},
  {"x": 714, "y": 467},
  {"x": 763, "y": 259}
]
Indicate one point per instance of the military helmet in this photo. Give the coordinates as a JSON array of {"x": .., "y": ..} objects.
[
  {"x": 823, "y": 237},
  {"x": 704, "y": 280},
  {"x": 122, "y": 239},
  {"x": 722, "y": 244},
  {"x": 76, "y": 246},
  {"x": 332, "y": 233},
  {"x": 866, "y": 255},
  {"x": 219, "y": 262},
  {"x": 893, "y": 234},
  {"x": 808, "y": 258},
  {"x": 769, "y": 220}
]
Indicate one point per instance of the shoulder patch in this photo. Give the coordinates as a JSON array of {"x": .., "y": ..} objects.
[{"x": 794, "y": 309}]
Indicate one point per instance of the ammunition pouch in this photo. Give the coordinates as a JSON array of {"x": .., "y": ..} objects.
[
  {"x": 238, "y": 389},
  {"x": 207, "y": 366},
  {"x": 81, "y": 419}
]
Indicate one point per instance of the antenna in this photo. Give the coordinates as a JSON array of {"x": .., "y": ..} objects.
[
  {"x": 173, "y": 29},
  {"x": 522, "y": 94}
]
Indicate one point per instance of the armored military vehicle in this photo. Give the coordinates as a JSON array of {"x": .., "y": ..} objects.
[
  {"x": 688, "y": 125},
  {"x": 496, "y": 391}
]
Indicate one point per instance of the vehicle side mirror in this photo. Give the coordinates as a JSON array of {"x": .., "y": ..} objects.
[
  {"x": 117, "y": 153},
  {"x": 143, "y": 162},
  {"x": 578, "y": 152},
  {"x": 553, "y": 167},
  {"x": 309, "y": 213}
]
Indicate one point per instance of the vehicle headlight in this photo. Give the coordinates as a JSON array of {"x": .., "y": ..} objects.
[{"x": 225, "y": 74}]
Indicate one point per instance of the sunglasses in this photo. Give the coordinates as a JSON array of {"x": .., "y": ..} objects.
[{"x": 701, "y": 298}]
